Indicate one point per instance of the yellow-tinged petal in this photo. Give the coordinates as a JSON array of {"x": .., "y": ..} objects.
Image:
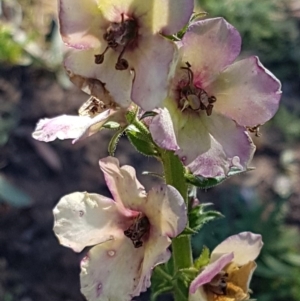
[
  {"x": 241, "y": 277},
  {"x": 167, "y": 16},
  {"x": 80, "y": 22}
]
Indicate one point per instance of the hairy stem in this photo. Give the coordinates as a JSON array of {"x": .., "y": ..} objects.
[{"x": 181, "y": 246}]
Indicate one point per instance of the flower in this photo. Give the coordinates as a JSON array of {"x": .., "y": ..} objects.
[
  {"x": 228, "y": 275},
  {"x": 129, "y": 234},
  {"x": 93, "y": 114},
  {"x": 119, "y": 43},
  {"x": 212, "y": 100}
]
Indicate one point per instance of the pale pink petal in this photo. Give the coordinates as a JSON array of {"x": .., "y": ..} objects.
[
  {"x": 166, "y": 16},
  {"x": 246, "y": 92},
  {"x": 125, "y": 188},
  {"x": 153, "y": 64},
  {"x": 234, "y": 139},
  {"x": 61, "y": 127},
  {"x": 156, "y": 252},
  {"x": 214, "y": 162},
  {"x": 162, "y": 131},
  {"x": 210, "y": 271},
  {"x": 117, "y": 83},
  {"x": 80, "y": 23},
  {"x": 198, "y": 134},
  {"x": 112, "y": 271},
  {"x": 166, "y": 210},
  {"x": 83, "y": 219},
  {"x": 69, "y": 127},
  {"x": 246, "y": 247},
  {"x": 209, "y": 46}
]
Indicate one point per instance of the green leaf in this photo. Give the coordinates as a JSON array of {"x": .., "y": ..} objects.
[
  {"x": 186, "y": 276},
  {"x": 159, "y": 291},
  {"x": 205, "y": 183},
  {"x": 141, "y": 143},
  {"x": 159, "y": 283},
  {"x": 198, "y": 216},
  {"x": 203, "y": 259},
  {"x": 188, "y": 231},
  {"x": 130, "y": 116},
  {"x": 12, "y": 194},
  {"x": 148, "y": 114}
]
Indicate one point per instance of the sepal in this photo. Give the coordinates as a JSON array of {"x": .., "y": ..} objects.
[
  {"x": 112, "y": 145},
  {"x": 206, "y": 183},
  {"x": 203, "y": 259},
  {"x": 198, "y": 216},
  {"x": 141, "y": 142}
]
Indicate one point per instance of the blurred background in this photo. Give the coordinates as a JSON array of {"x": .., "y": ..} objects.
[{"x": 34, "y": 175}]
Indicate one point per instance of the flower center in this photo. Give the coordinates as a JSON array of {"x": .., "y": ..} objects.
[
  {"x": 194, "y": 98},
  {"x": 92, "y": 107},
  {"x": 118, "y": 37},
  {"x": 137, "y": 230},
  {"x": 218, "y": 284},
  {"x": 220, "y": 288}
]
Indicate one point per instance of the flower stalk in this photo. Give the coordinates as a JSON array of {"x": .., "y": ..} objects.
[{"x": 181, "y": 245}]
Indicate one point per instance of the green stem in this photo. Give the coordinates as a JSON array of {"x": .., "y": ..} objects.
[
  {"x": 181, "y": 246},
  {"x": 165, "y": 275}
]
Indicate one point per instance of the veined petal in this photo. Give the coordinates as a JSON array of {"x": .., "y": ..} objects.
[
  {"x": 80, "y": 23},
  {"x": 153, "y": 64},
  {"x": 191, "y": 133},
  {"x": 117, "y": 83},
  {"x": 162, "y": 131},
  {"x": 246, "y": 92},
  {"x": 210, "y": 271},
  {"x": 69, "y": 127},
  {"x": 233, "y": 139},
  {"x": 111, "y": 271},
  {"x": 166, "y": 16},
  {"x": 166, "y": 210},
  {"x": 246, "y": 247},
  {"x": 209, "y": 46},
  {"x": 125, "y": 188},
  {"x": 156, "y": 252},
  {"x": 83, "y": 219},
  {"x": 214, "y": 162}
]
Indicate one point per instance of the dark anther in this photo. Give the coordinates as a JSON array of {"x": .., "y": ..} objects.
[
  {"x": 137, "y": 230},
  {"x": 188, "y": 65},
  {"x": 99, "y": 58},
  {"x": 137, "y": 244},
  {"x": 255, "y": 130},
  {"x": 209, "y": 109},
  {"x": 121, "y": 64},
  {"x": 190, "y": 72},
  {"x": 202, "y": 106},
  {"x": 128, "y": 232},
  {"x": 212, "y": 99}
]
